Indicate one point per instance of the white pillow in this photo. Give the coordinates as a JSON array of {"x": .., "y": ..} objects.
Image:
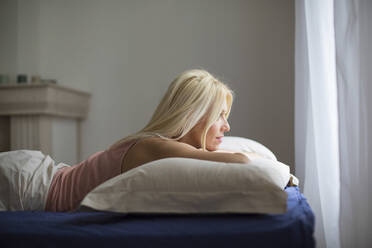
[
  {"x": 184, "y": 185},
  {"x": 241, "y": 144}
]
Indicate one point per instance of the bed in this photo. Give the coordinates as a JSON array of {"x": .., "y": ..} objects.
[{"x": 294, "y": 228}]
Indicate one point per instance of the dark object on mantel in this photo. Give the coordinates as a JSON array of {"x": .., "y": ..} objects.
[{"x": 22, "y": 78}]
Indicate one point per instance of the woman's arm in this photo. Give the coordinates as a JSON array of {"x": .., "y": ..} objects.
[{"x": 158, "y": 149}]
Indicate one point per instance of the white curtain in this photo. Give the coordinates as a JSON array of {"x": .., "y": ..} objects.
[{"x": 333, "y": 118}]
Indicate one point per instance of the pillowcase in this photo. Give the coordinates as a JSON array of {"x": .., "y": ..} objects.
[
  {"x": 241, "y": 144},
  {"x": 185, "y": 185}
]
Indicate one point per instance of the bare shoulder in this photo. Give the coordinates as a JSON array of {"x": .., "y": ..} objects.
[
  {"x": 152, "y": 148},
  {"x": 161, "y": 148}
]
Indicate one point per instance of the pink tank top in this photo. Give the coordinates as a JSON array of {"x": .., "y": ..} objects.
[{"x": 71, "y": 184}]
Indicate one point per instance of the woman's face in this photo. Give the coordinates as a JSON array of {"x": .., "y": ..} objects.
[
  {"x": 217, "y": 130},
  {"x": 214, "y": 134}
]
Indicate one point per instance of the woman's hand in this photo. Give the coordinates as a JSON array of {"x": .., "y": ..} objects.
[
  {"x": 249, "y": 155},
  {"x": 252, "y": 155},
  {"x": 224, "y": 151}
]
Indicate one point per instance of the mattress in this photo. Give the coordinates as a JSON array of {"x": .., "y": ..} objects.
[{"x": 28, "y": 229}]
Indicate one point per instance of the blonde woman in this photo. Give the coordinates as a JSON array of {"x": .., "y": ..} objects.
[{"x": 189, "y": 122}]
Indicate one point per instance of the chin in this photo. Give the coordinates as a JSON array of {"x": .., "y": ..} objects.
[{"x": 212, "y": 148}]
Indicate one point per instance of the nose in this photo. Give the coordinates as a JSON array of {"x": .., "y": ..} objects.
[{"x": 226, "y": 126}]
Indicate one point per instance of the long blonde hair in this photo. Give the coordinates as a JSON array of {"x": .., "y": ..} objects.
[{"x": 193, "y": 95}]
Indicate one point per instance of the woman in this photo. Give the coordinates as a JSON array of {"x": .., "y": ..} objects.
[{"x": 189, "y": 122}]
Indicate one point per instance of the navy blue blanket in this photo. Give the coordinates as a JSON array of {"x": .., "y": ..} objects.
[{"x": 99, "y": 229}]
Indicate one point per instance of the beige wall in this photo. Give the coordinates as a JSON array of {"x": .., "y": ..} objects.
[
  {"x": 8, "y": 36},
  {"x": 127, "y": 52}
]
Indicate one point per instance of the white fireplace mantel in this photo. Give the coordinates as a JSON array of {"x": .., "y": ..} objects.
[{"x": 42, "y": 117}]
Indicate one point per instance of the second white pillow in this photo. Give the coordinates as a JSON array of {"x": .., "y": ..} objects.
[{"x": 240, "y": 144}]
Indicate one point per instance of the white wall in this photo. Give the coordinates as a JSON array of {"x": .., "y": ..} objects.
[{"x": 127, "y": 52}]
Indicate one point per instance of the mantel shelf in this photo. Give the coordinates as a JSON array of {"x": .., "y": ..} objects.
[{"x": 43, "y": 99}]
